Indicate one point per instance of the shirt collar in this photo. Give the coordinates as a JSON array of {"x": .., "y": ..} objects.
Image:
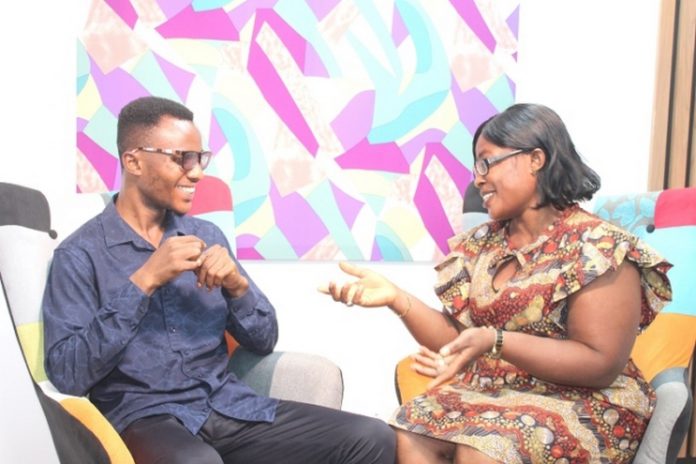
[{"x": 117, "y": 231}]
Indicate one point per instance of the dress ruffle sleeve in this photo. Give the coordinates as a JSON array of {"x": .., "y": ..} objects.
[
  {"x": 455, "y": 270},
  {"x": 605, "y": 247}
]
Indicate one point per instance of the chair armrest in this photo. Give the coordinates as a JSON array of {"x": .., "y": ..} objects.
[
  {"x": 669, "y": 424},
  {"x": 291, "y": 376}
]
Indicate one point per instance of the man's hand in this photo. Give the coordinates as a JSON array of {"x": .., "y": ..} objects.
[
  {"x": 218, "y": 269},
  {"x": 174, "y": 256}
]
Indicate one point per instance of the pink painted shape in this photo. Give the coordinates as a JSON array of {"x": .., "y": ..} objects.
[
  {"x": 212, "y": 194},
  {"x": 106, "y": 165},
  {"x": 431, "y": 211},
  {"x": 347, "y": 205},
  {"x": 472, "y": 106},
  {"x": 241, "y": 15},
  {"x": 378, "y": 157},
  {"x": 353, "y": 123},
  {"x": 216, "y": 138},
  {"x": 297, "y": 220},
  {"x": 190, "y": 24},
  {"x": 248, "y": 253},
  {"x": 172, "y": 7},
  {"x": 471, "y": 15},
  {"x": 125, "y": 10},
  {"x": 180, "y": 79},
  {"x": 452, "y": 165},
  {"x": 322, "y": 7},
  {"x": 245, "y": 244},
  {"x": 277, "y": 95},
  {"x": 117, "y": 88},
  {"x": 399, "y": 31},
  {"x": 294, "y": 42}
]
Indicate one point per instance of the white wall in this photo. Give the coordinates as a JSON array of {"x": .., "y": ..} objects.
[{"x": 591, "y": 60}]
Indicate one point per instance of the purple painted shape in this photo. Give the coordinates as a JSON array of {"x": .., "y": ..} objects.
[
  {"x": 511, "y": 83},
  {"x": 172, "y": 7},
  {"x": 376, "y": 252},
  {"x": 188, "y": 23},
  {"x": 117, "y": 88},
  {"x": 399, "y": 31},
  {"x": 353, "y": 123},
  {"x": 322, "y": 7},
  {"x": 313, "y": 66},
  {"x": 246, "y": 241},
  {"x": 277, "y": 95},
  {"x": 472, "y": 106},
  {"x": 377, "y": 157},
  {"x": 106, "y": 165},
  {"x": 216, "y": 138},
  {"x": 81, "y": 124},
  {"x": 180, "y": 79},
  {"x": 125, "y": 11},
  {"x": 347, "y": 205},
  {"x": 513, "y": 21},
  {"x": 297, "y": 220},
  {"x": 241, "y": 15},
  {"x": 431, "y": 211},
  {"x": 413, "y": 147},
  {"x": 471, "y": 15}
]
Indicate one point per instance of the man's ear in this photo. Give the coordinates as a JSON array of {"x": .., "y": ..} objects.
[
  {"x": 538, "y": 158},
  {"x": 131, "y": 163}
]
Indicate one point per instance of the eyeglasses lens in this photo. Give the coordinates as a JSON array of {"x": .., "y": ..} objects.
[{"x": 191, "y": 158}]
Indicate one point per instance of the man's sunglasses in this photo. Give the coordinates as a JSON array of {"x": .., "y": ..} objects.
[{"x": 187, "y": 159}]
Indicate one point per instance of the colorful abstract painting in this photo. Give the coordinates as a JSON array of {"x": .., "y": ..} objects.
[{"x": 341, "y": 128}]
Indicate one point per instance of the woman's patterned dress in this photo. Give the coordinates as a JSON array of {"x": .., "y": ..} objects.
[{"x": 504, "y": 411}]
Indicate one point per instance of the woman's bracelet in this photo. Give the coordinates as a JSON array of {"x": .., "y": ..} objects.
[
  {"x": 408, "y": 308},
  {"x": 497, "y": 348}
]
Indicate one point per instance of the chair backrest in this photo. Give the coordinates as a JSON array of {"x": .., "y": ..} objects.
[
  {"x": 666, "y": 220},
  {"x": 26, "y": 246}
]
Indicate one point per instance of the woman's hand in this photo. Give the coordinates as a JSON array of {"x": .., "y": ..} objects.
[
  {"x": 369, "y": 290},
  {"x": 456, "y": 355},
  {"x": 429, "y": 363}
]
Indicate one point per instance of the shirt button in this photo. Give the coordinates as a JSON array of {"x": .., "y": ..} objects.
[{"x": 173, "y": 330}]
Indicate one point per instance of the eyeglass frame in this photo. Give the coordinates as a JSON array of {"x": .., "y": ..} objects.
[
  {"x": 482, "y": 166},
  {"x": 180, "y": 156}
]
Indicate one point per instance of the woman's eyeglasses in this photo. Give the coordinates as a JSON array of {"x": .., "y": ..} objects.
[
  {"x": 482, "y": 165},
  {"x": 187, "y": 159}
]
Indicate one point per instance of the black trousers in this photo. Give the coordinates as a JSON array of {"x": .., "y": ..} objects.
[{"x": 300, "y": 434}]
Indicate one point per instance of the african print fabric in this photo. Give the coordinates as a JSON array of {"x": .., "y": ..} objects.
[{"x": 504, "y": 411}]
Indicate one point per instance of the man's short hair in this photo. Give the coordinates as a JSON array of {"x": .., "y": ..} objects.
[{"x": 142, "y": 114}]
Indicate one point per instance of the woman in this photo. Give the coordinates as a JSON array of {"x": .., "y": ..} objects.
[{"x": 541, "y": 306}]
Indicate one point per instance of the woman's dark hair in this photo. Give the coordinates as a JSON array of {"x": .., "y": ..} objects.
[
  {"x": 142, "y": 114},
  {"x": 565, "y": 178}
]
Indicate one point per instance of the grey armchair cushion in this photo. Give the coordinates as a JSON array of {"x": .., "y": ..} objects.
[
  {"x": 302, "y": 377},
  {"x": 670, "y": 421}
]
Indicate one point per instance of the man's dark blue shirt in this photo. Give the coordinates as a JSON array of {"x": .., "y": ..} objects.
[{"x": 138, "y": 355}]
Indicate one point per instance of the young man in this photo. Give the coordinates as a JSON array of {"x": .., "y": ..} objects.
[{"x": 135, "y": 308}]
